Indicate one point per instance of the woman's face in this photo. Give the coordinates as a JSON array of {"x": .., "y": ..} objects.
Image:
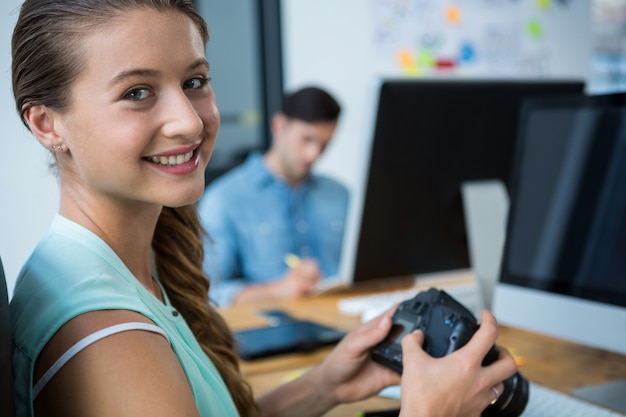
[{"x": 142, "y": 119}]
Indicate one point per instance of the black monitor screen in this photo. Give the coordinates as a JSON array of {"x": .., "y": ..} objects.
[
  {"x": 567, "y": 223},
  {"x": 430, "y": 137}
]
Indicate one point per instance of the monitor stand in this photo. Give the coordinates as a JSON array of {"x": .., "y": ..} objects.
[
  {"x": 485, "y": 207},
  {"x": 610, "y": 395}
]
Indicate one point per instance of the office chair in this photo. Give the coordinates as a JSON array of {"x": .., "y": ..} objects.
[{"x": 6, "y": 349}]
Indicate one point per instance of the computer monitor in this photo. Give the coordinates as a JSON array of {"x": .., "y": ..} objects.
[
  {"x": 430, "y": 136},
  {"x": 563, "y": 270}
]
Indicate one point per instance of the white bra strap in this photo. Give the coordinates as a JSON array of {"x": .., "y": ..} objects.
[{"x": 88, "y": 340}]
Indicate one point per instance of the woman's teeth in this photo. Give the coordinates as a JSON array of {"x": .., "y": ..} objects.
[{"x": 173, "y": 159}]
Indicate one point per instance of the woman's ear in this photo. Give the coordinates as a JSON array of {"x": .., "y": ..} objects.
[{"x": 40, "y": 120}]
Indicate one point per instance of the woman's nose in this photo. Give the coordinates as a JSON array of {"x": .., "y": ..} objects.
[{"x": 181, "y": 117}]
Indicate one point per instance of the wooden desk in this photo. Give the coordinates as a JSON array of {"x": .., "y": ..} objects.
[{"x": 551, "y": 362}]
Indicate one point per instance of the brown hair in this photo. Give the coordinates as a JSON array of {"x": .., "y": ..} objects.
[
  {"x": 177, "y": 245},
  {"x": 47, "y": 58},
  {"x": 311, "y": 104}
]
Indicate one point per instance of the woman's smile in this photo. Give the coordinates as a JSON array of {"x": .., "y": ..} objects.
[{"x": 172, "y": 159}]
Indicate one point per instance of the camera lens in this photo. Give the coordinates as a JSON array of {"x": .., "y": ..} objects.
[{"x": 512, "y": 401}]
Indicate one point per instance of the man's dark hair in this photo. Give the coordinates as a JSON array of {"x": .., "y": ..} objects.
[{"x": 311, "y": 104}]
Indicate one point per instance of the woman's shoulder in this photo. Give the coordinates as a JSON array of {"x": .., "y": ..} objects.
[{"x": 62, "y": 279}]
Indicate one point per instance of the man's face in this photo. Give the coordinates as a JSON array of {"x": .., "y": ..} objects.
[{"x": 299, "y": 144}]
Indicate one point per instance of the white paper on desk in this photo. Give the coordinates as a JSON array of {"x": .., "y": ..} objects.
[
  {"x": 329, "y": 284},
  {"x": 375, "y": 311},
  {"x": 391, "y": 392}
]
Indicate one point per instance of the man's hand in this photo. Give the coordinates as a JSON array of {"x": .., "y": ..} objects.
[{"x": 300, "y": 281}]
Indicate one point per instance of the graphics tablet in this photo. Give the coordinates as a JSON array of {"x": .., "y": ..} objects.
[{"x": 287, "y": 337}]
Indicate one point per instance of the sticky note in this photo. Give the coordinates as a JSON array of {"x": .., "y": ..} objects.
[
  {"x": 544, "y": 4},
  {"x": 467, "y": 53},
  {"x": 535, "y": 30},
  {"x": 407, "y": 61},
  {"x": 294, "y": 375},
  {"x": 427, "y": 58},
  {"x": 453, "y": 14}
]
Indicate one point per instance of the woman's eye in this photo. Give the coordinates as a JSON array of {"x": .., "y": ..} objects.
[
  {"x": 196, "y": 83},
  {"x": 137, "y": 94}
]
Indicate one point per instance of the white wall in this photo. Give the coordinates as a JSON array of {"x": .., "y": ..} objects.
[
  {"x": 28, "y": 192},
  {"x": 325, "y": 43}
]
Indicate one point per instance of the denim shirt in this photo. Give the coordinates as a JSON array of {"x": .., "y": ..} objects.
[{"x": 255, "y": 219}]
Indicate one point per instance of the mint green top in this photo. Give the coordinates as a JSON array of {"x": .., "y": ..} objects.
[{"x": 73, "y": 271}]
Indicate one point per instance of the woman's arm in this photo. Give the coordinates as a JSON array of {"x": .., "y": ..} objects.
[
  {"x": 348, "y": 374},
  {"x": 132, "y": 373}
]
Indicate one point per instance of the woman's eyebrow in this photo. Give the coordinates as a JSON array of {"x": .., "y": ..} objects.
[
  {"x": 200, "y": 63},
  {"x": 138, "y": 72},
  {"x": 145, "y": 72}
]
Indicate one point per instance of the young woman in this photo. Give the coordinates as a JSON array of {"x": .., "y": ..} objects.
[{"x": 110, "y": 315}]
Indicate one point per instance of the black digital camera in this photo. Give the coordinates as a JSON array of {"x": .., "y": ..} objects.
[{"x": 447, "y": 326}]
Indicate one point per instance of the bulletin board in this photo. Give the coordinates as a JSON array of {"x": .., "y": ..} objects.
[{"x": 495, "y": 37}]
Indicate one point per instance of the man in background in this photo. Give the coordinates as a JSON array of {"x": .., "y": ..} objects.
[{"x": 275, "y": 228}]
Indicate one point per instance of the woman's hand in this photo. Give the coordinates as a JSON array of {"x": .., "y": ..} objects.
[
  {"x": 456, "y": 385},
  {"x": 348, "y": 373}
]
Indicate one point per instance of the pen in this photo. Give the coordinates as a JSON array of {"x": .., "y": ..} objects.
[
  {"x": 292, "y": 260},
  {"x": 380, "y": 413}
]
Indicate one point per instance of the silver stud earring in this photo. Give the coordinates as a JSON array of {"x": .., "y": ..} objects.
[{"x": 57, "y": 148}]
